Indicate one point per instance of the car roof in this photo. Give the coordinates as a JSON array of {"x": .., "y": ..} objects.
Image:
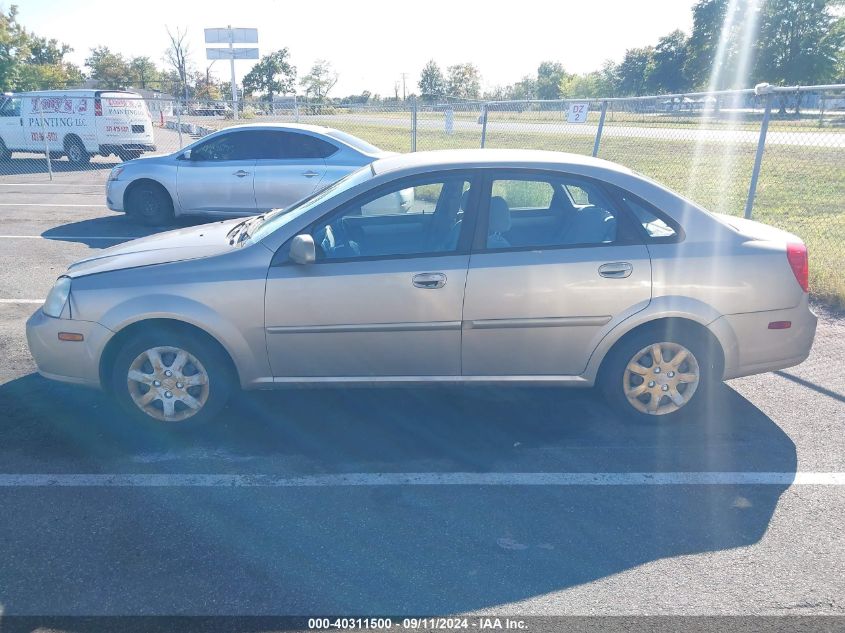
[
  {"x": 524, "y": 158},
  {"x": 317, "y": 129}
]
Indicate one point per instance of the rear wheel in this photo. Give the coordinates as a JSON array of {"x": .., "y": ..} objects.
[
  {"x": 5, "y": 152},
  {"x": 76, "y": 152},
  {"x": 659, "y": 375},
  {"x": 175, "y": 379},
  {"x": 150, "y": 204}
]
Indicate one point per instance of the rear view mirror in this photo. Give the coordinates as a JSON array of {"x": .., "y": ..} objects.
[{"x": 302, "y": 250}]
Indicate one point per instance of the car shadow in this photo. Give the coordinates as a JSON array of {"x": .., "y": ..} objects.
[
  {"x": 107, "y": 231},
  {"x": 372, "y": 549}
]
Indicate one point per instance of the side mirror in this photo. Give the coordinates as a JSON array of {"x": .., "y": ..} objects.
[
  {"x": 186, "y": 155},
  {"x": 302, "y": 250}
]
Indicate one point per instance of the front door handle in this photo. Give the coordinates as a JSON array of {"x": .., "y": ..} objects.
[
  {"x": 240, "y": 173},
  {"x": 429, "y": 280},
  {"x": 616, "y": 270},
  {"x": 310, "y": 174}
]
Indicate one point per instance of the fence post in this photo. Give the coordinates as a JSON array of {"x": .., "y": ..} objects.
[
  {"x": 414, "y": 125},
  {"x": 483, "y": 125},
  {"x": 599, "y": 129},
  {"x": 44, "y": 136},
  {"x": 179, "y": 122},
  {"x": 758, "y": 158}
]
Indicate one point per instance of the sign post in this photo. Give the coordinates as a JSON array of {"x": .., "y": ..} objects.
[{"x": 231, "y": 37}]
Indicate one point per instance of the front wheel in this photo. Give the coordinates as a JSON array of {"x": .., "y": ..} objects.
[
  {"x": 150, "y": 204},
  {"x": 175, "y": 379},
  {"x": 660, "y": 376}
]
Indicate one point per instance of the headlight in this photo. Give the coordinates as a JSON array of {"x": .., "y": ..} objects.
[
  {"x": 56, "y": 300},
  {"x": 115, "y": 172}
]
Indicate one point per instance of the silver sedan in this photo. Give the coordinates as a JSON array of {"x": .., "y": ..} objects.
[
  {"x": 237, "y": 171},
  {"x": 508, "y": 267}
]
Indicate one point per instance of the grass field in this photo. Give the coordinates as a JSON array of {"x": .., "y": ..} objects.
[{"x": 801, "y": 189}]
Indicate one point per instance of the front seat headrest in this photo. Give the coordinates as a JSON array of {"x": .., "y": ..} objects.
[{"x": 500, "y": 216}]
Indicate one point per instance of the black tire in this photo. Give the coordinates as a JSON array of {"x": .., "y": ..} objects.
[
  {"x": 705, "y": 362},
  {"x": 76, "y": 152},
  {"x": 5, "y": 153},
  {"x": 213, "y": 363},
  {"x": 127, "y": 155},
  {"x": 150, "y": 204}
]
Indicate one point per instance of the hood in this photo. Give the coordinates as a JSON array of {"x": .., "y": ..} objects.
[{"x": 192, "y": 242}]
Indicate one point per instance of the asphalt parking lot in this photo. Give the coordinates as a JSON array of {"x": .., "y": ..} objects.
[{"x": 401, "y": 501}]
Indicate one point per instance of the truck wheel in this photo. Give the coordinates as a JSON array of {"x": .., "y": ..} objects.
[
  {"x": 150, "y": 205},
  {"x": 171, "y": 378},
  {"x": 5, "y": 152},
  {"x": 76, "y": 152}
]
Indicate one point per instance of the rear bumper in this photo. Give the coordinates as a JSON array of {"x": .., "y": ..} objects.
[
  {"x": 66, "y": 361},
  {"x": 126, "y": 147},
  {"x": 756, "y": 348}
]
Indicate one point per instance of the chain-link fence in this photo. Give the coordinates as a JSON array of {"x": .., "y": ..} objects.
[{"x": 775, "y": 154}]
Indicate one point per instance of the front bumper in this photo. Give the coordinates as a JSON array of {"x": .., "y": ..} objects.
[
  {"x": 67, "y": 361},
  {"x": 115, "y": 190}
]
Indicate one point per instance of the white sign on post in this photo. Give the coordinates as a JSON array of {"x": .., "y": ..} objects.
[
  {"x": 577, "y": 112},
  {"x": 231, "y": 53},
  {"x": 231, "y": 36}
]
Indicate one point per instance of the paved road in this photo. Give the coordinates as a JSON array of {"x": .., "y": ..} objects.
[
  {"x": 801, "y": 137},
  {"x": 307, "y": 501}
]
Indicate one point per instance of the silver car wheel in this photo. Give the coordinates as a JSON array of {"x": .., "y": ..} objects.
[
  {"x": 168, "y": 383},
  {"x": 661, "y": 378}
]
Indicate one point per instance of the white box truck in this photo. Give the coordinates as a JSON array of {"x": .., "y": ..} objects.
[{"x": 77, "y": 123}]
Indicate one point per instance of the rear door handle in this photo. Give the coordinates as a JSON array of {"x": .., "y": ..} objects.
[
  {"x": 429, "y": 280},
  {"x": 616, "y": 270},
  {"x": 310, "y": 174},
  {"x": 240, "y": 173}
]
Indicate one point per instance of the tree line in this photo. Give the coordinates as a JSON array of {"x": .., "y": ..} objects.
[{"x": 732, "y": 44}]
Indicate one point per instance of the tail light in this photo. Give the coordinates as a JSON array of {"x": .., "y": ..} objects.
[
  {"x": 98, "y": 107},
  {"x": 796, "y": 254}
]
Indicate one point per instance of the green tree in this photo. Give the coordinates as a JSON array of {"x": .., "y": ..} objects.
[
  {"x": 549, "y": 77},
  {"x": 28, "y": 61},
  {"x": 273, "y": 75},
  {"x": 432, "y": 85},
  {"x": 524, "y": 89},
  {"x": 108, "y": 69},
  {"x": 143, "y": 72},
  {"x": 798, "y": 42},
  {"x": 319, "y": 80},
  {"x": 666, "y": 73},
  {"x": 634, "y": 69},
  {"x": 463, "y": 81}
]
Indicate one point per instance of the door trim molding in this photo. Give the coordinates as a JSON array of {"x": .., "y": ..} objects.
[
  {"x": 572, "y": 381},
  {"x": 364, "y": 327},
  {"x": 490, "y": 324}
]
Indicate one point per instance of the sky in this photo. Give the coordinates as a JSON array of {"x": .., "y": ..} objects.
[{"x": 371, "y": 43}]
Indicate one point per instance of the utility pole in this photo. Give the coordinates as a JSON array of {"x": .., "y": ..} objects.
[{"x": 404, "y": 98}]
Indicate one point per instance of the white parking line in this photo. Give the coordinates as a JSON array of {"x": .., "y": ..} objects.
[
  {"x": 179, "y": 480},
  {"x": 70, "y": 237},
  {"x": 21, "y": 300},
  {"x": 49, "y": 184},
  {"x": 44, "y": 204}
]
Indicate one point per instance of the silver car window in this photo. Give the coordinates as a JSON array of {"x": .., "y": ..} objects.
[{"x": 277, "y": 219}]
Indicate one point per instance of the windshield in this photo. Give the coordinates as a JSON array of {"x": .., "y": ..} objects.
[
  {"x": 277, "y": 219},
  {"x": 356, "y": 143}
]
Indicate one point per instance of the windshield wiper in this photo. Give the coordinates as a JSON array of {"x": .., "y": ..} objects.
[{"x": 245, "y": 231}]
